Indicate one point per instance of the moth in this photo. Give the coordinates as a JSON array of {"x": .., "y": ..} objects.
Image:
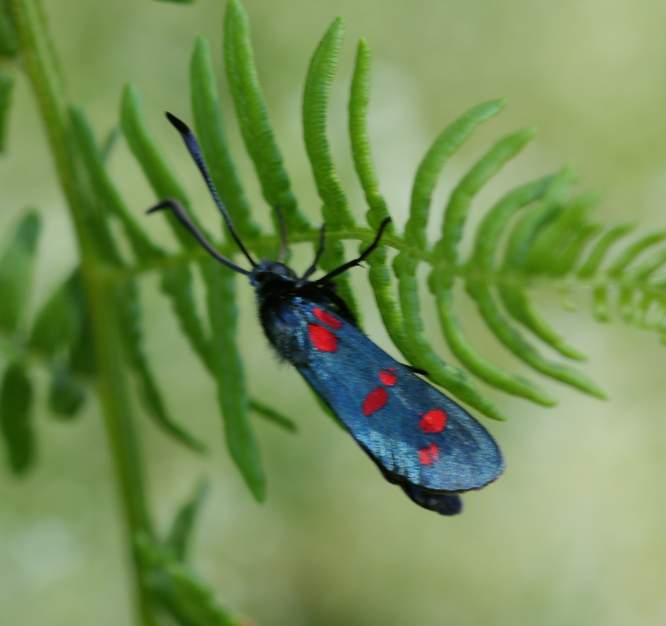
[{"x": 419, "y": 438}]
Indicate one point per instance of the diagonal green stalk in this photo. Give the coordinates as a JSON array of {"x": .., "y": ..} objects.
[{"x": 113, "y": 389}]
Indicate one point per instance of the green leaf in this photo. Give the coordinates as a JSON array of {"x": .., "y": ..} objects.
[
  {"x": 513, "y": 297},
  {"x": 177, "y": 284},
  {"x": 442, "y": 281},
  {"x": 177, "y": 590},
  {"x": 598, "y": 253},
  {"x": 460, "y": 201},
  {"x": 517, "y": 344},
  {"x": 533, "y": 221},
  {"x": 66, "y": 395},
  {"x": 634, "y": 250},
  {"x": 419, "y": 350},
  {"x": 82, "y": 352},
  {"x": 6, "y": 91},
  {"x": 8, "y": 36},
  {"x": 316, "y": 98},
  {"x": 252, "y": 114},
  {"x": 429, "y": 171},
  {"x": 271, "y": 415},
  {"x": 359, "y": 101},
  {"x": 182, "y": 527},
  {"x": 107, "y": 192},
  {"x": 16, "y": 269},
  {"x": 402, "y": 319},
  {"x": 59, "y": 320},
  {"x": 109, "y": 143},
  {"x": 600, "y": 303},
  {"x": 517, "y": 304},
  {"x": 208, "y": 122},
  {"x": 482, "y": 261},
  {"x": 524, "y": 233},
  {"x": 554, "y": 247},
  {"x": 445, "y": 251},
  {"x": 16, "y": 418},
  {"x": 144, "y": 148},
  {"x": 645, "y": 270},
  {"x": 227, "y": 368},
  {"x": 379, "y": 272},
  {"x": 335, "y": 209},
  {"x": 129, "y": 311},
  {"x": 176, "y": 280}
]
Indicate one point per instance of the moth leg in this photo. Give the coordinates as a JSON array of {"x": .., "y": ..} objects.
[
  {"x": 320, "y": 250},
  {"x": 416, "y": 370},
  {"x": 294, "y": 351}
]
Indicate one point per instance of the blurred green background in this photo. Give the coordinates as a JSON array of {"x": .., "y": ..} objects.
[{"x": 572, "y": 534}]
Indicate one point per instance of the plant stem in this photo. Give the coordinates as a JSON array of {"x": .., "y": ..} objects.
[{"x": 113, "y": 389}]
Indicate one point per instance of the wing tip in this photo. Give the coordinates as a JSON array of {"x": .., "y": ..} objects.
[{"x": 444, "y": 503}]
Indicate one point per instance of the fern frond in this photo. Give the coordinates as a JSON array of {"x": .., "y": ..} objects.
[
  {"x": 547, "y": 233},
  {"x": 252, "y": 115},
  {"x": 547, "y": 242},
  {"x": 219, "y": 353},
  {"x": 634, "y": 284},
  {"x": 207, "y": 113},
  {"x": 16, "y": 428},
  {"x": 17, "y": 264},
  {"x": 8, "y": 37},
  {"x": 6, "y": 92},
  {"x": 180, "y": 533},
  {"x": 316, "y": 96},
  {"x": 481, "y": 263},
  {"x": 176, "y": 589}
]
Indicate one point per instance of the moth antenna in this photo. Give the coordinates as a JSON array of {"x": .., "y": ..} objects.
[
  {"x": 195, "y": 152},
  {"x": 364, "y": 255},
  {"x": 182, "y": 216},
  {"x": 320, "y": 250}
]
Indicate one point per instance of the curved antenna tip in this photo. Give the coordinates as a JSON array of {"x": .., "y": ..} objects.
[
  {"x": 177, "y": 122},
  {"x": 160, "y": 206}
]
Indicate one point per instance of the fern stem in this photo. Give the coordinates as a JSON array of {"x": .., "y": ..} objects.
[{"x": 112, "y": 384}]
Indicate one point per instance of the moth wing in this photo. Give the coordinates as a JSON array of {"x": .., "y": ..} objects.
[{"x": 420, "y": 438}]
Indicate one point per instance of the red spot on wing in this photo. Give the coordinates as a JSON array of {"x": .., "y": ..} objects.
[
  {"x": 388, "y": 377},
  {"x": 375, "y": 400},
  {"x": 428, "y": 455},
  {"x": 327, "y": 318},
  {"x": 322, "y": 338},
  {"x": 434, "y": 421}
]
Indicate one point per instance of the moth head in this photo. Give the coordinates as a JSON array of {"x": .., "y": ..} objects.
[{"x": 267, "y": 272}]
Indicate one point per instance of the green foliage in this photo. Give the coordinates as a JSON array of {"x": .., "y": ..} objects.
[
  {"x": 91, "y": 329},
  {"x": 6, "y": 90},
  {"x": 15, "y": 417},
  {"x": 316, "y": 95},
  {"x": 177, "y": 590},
  {"x": 182, "y": 527},
  {"x": 8, "y": 36},
  {"x": 252, "y": 114},
  {"x": 174, "y": 586},
  {"x": 16, "y": 270}
]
